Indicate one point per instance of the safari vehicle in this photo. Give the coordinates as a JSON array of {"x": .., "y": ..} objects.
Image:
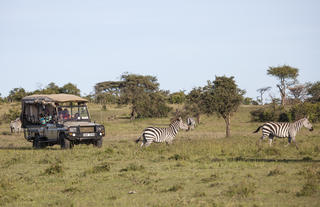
[{"x": 59, "y": 119}]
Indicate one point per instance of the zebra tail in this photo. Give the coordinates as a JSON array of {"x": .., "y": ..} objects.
[
  {"x": 257, "y": 129},
  {"x": 138, "y": 139}
]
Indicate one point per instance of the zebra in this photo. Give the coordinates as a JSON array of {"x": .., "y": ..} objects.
[
  {"x": 283, "y": 129},
  {"x": 191, "y": 123},
  {"x": 155, "y": 134},
  {"x": 15, "y": 126}
]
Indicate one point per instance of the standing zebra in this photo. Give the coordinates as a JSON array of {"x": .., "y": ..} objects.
[
  {"x": 283, "y": 129},
  {"x": 191, "y": 123},
  {"x": 155, "y": 134}
]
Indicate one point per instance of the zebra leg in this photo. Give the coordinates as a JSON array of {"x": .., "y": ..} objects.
[
  {"x": 294, "y": 141},
  {"x": 147, "y": 144},
  {"x": 289, "y": 142},
  {"x": 169, "y": 142},
  {"x": 270, "y": 140},
  {"x": 260, "y": 140}
]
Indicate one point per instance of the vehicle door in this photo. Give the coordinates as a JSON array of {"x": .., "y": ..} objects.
[{"x": 51, "y": 131}]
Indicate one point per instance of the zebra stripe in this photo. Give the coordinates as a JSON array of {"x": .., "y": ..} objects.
[
  {"x": 283, "y": 130},
  {"x": 156, "y": 134}
]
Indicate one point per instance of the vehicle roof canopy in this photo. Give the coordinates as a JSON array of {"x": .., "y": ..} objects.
[{"x": 52, "y": 98}]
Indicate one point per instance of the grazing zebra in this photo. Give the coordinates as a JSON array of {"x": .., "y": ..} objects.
[
  {"x": 283, "y": 129},
  {"x": 155, "y": 134},
  {"x": 15, "y": 126},
  {"x": 191, "y": 123}
]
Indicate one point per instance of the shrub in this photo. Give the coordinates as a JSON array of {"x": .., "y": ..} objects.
[
  {"x": 312, "y": 110},
  {"x": 271, "y": 113},
  {"x": 177, "y": 98},
  {"x": 11, "y": 115},
  {"x": 153, "y": 105}
]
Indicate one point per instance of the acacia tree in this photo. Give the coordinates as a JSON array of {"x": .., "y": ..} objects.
[
  {"x": 16, "y": 94},
  {"x": 223, "y": 97},
  {"x": 262, "y": 91},
  {"x": 299, "y": 92},
  {"x": 70, "y": 88},
  {"x": 314, "y": 92},
  {"x": 287, "y": 76},
  {"x": 141, "y": 92}
]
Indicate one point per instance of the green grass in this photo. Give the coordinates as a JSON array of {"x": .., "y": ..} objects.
[{"x": 201, "y": 167}]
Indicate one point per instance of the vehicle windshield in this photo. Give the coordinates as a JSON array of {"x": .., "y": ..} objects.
[{"x": 73, "y": 113}]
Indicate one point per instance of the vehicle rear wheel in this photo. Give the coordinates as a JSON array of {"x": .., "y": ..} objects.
[
  {"x": 64, "y": 142},
  {"x": 37, "y": 143},
  {"x": 98, "y": 143}
]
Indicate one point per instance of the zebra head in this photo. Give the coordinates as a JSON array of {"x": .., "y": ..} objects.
[
  {"x": 307, "y": 124},
  {"x": 182, "y": 125}
]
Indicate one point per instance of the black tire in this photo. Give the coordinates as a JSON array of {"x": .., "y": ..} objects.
[
  {"x": 64, "y": 142},
  {"x": 37, "y": 144},
  {"x": 98, "y": 143}
]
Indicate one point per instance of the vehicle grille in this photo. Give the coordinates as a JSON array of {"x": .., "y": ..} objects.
[{"x": 86, "y": 129}]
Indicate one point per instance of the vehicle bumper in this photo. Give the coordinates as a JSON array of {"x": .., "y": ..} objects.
[{"x": 85, "y": 136}]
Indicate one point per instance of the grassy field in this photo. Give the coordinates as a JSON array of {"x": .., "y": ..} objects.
[{"x": 201, "y": 167}]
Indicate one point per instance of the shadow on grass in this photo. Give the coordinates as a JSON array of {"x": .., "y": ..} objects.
[{"x": 242, "y": 159}]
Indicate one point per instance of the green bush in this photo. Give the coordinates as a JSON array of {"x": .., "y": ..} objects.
[
  {"x": 296, "y": 112},
  {"x": 263, "y": 115},
  {"x": 11, "y": 115},
  {"x": 153, "y": 105},
  {"x": 312, "y": 110},
  {"x": 177, "y": 98}
]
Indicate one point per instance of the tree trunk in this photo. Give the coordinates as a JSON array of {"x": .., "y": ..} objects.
[
  {"x": 282, "y": 89},
  {"x": 227, "y": 119},
  {"x": 133, "y": 114},
  {"x": 198, "y": 118}
]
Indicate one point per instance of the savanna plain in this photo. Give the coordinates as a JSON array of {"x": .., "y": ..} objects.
[{"x": 200, "y": 168}]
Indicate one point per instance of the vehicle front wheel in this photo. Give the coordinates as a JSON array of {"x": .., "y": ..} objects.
[
  {"x": 98, "y": 143},
  {"x": 64, "y": 142}
]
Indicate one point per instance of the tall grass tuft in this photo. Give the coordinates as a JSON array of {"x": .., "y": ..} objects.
[
  {"x": 241, "y": 190},
  {"x": 133, "y": 167},
  {"x": 308, "y": 189},
  {"x": 103, "y": 167},
  {"x": 54, "y": 169}
]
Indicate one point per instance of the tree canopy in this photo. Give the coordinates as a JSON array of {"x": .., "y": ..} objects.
[
  {"x": 314, "y": 92},
  {"x": 223, "y": 97},
  {"x": 287, "y": 76},
  {"x": 141, "y": 92}
]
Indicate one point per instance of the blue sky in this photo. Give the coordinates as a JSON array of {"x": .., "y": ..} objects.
[{"x": 182, "y": 42}]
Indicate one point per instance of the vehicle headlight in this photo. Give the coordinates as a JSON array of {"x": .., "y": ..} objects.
[
  {"x": 73, "y": 129},
  {"x": 100, "y": 128}
]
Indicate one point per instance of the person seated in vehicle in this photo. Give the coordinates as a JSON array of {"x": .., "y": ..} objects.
[
  {"x": 60, "y": 113},
  {"x": 48, "y": 118},
  {"x": 66, "y": 114},
  {"x": 76, "y": 116},
  {"x": 42, "y": 119}
]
